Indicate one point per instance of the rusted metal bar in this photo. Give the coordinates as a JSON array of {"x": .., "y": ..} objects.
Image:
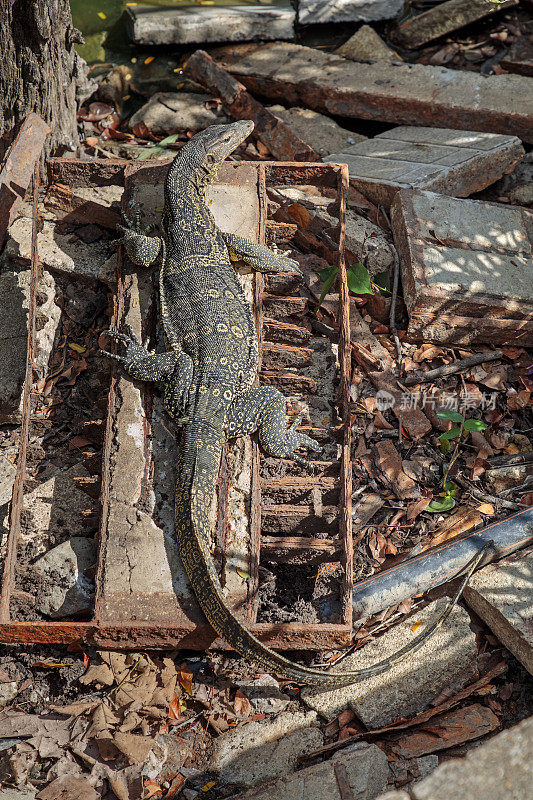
[
  {"x": 18, "y": 167},
  {"x": 278, "y": 137},
  {"x": 8, "y": 572}
]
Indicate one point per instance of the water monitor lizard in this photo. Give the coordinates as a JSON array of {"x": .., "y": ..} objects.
[{"x": 207, "y": 376}]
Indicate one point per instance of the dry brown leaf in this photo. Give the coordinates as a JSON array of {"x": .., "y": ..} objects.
[
  {"x": 174, "y": 708},
  {"x": 241, "y": 704},
  {"x": 496, "y": 376},
  {"x": 99, "y": 674},
  {"x": 68, "y": 787},
  {"x": 516, "y": 401},
  {"x": 299, "y": 214},
  {"x": 461, "y": 521},
  {"x": 136, "y": 748},
  {"x": 103, "y": 720},
  {"x": 426, "y": 352},
  {"x": 75, "y": 709},
  {"x": 185, "y": 678},
  {"x": 487, "y": 509}
]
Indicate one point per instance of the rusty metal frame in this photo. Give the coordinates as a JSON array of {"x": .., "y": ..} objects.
[{"x": 134, "y": 634}]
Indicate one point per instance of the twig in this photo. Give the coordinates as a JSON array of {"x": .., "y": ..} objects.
[
  {"x": 449, "y": 369},
  {"x": 486, "y": 498},
  {"x": 511, "y": 460},
  {"x": 392, "y": 316}
]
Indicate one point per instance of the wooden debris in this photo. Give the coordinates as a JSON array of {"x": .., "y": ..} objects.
[
  {"x": 366, "y": 348},
  {"x": 445, "y": 18},
  {"x": 413, "y": 94},
  {"x": 450, "y": 369},
  {"x": 278, "y": 137}
]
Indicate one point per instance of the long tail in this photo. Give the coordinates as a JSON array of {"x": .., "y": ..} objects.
[{"x": 198, "y": 471}]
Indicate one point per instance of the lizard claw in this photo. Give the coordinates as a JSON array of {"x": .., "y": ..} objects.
[{"x": 296, "y": 439}]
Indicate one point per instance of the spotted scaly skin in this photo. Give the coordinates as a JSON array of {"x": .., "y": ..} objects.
[{"x": 207, "y": 376}]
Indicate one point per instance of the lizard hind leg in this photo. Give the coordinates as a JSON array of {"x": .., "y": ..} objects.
[{"x": 264, "y": 409}]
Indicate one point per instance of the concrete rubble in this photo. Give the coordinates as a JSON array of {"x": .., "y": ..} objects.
[
  {"x": 412, "y": 94},
  {"x": 451, "y": 162},
  {"x": 366, "y": 45},
  {"x": 312, "y": 12},
  {"x": 359, "y": 772},
  {"x": 264, "y": 694},
  {"x": 260, "y": 751},
  {"x": 501, "y": 595},
  {"x": 445, "y": 661},
  {"x": 7, "y": 479},
  {"x": 321, "y": 133},
  {"x": 465, "y": 268},
  {"x": 66, "y": 590},
  {"x": 172, "y": 112},
  {"x": 148, "y": 25}
]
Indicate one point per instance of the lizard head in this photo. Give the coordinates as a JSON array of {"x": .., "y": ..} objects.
[{"x": 219, "y": 141}]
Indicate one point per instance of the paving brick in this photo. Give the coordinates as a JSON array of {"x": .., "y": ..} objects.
[
  {"x": 446, "y": 660},
  {"x": 501, "y": 595},
  {"x": 445, "y": 18},
  {"x": 466, "y": 268},
  {"x": 311, "y": 12},
  {"x": 413, "y": 94},
  {"x": 149, "y": 25},
  {"x": 357, "y": 773},
  {"x": 452, "y": 162},
  {"x": 501, "y": 769}
]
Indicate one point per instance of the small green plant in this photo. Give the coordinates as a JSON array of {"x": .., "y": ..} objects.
[
  {"x": 357, "y": 278},
  {"x": 159, "y": 149},
  {"x": 459, "y": 433}
]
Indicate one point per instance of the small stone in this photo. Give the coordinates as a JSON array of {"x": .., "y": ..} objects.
[
  {"x": 500, "y": 769},
  {"x": 171, "y": 112},
  {"x": 264, "y": 694},
  {"x": 260, "y": 751},
  {"x": 522, "y": 195},
  {"x": 8, "y": 691},
  {"x": 318, "y": 131},
  {"x": 501, "y": 595},
  {"x": 445, "y": 661},
  {"x": 366, "y": 45},
  {"x": 65, "y": 590}
]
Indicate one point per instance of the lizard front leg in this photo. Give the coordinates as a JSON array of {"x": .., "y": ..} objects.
[
  {"x": 258, "y": 256},
  {"x": 263, "y": 409},
  {"x": 172, "y": 370},
  {"x": 143, "y": 250}
]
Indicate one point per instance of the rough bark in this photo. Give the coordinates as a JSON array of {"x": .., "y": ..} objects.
[{"x": 39, "y": 70}]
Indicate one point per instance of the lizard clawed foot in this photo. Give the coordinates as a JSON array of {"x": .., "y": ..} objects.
[
  {"x": 134, "y": 349},
  {"x": 134, "y": 225},
  {"x": 296, "y": 439}
]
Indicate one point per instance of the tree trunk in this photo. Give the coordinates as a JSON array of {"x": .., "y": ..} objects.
[{"x": 39, "y": 70}]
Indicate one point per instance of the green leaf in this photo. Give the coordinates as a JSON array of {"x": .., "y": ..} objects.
[
  {"x": 474, "y": 425},
  {"x": 451, "y": 434},
  {"x": 445, "y": 446},
  {"x": 441, "y": 505},
  {"x": 358, "y": 279},
  {"x": 454, "y": 416},
  {"x": 328, "y": 276},
  {"x": 450, "y": 489},
  {"x": 159, "y": 148}
]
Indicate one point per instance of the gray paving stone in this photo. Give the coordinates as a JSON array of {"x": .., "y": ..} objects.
[
  {"x": 501, "y": 769},
  {"x": 366, "y": 45},
  {"x": 452, "y": 162},
  {"x": 407, "y": 688},
  {"x": 318, "y": 131},
  {"x": 412, "y": 94},
  {"x": 170, "y": 112},
  {"x": 466, "y": 268},
  {"x": 311, "y": 12},
  {"x": 363, "y": 766},
  {"x": 156, "y": 26},
  {"x": 501, "y": 594},
  {"x": 260, "y": 751}
]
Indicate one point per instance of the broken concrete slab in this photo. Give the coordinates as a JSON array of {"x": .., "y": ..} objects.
[
  {"x": 446, "y": 660},
  {"x": 501, "y": 595},
  {"x": 445, "y": 18},
  {"x": 366, "y": 45},
  {"x": 501, "y": 769},
  {"x": 59, "y": 252},
  {"x": 452, "y": 162},
  {"x": 14, "y": 302},
  {"x": 466, "y": 268},
  {"x": 312, "y": 12},
  {"x": 260, "y": 751},
  {"x": 359, "y": 771},
  {"x": 172, "y": 112},
  {"x": 413, "y": 94},
  {"x": 320, "y": 132},
  {"x": 7, "y": 479},
  {"x": 66, "y": 590},
  {"x": 153, "y": 25},
  {"x": 264, "y": 694}
]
